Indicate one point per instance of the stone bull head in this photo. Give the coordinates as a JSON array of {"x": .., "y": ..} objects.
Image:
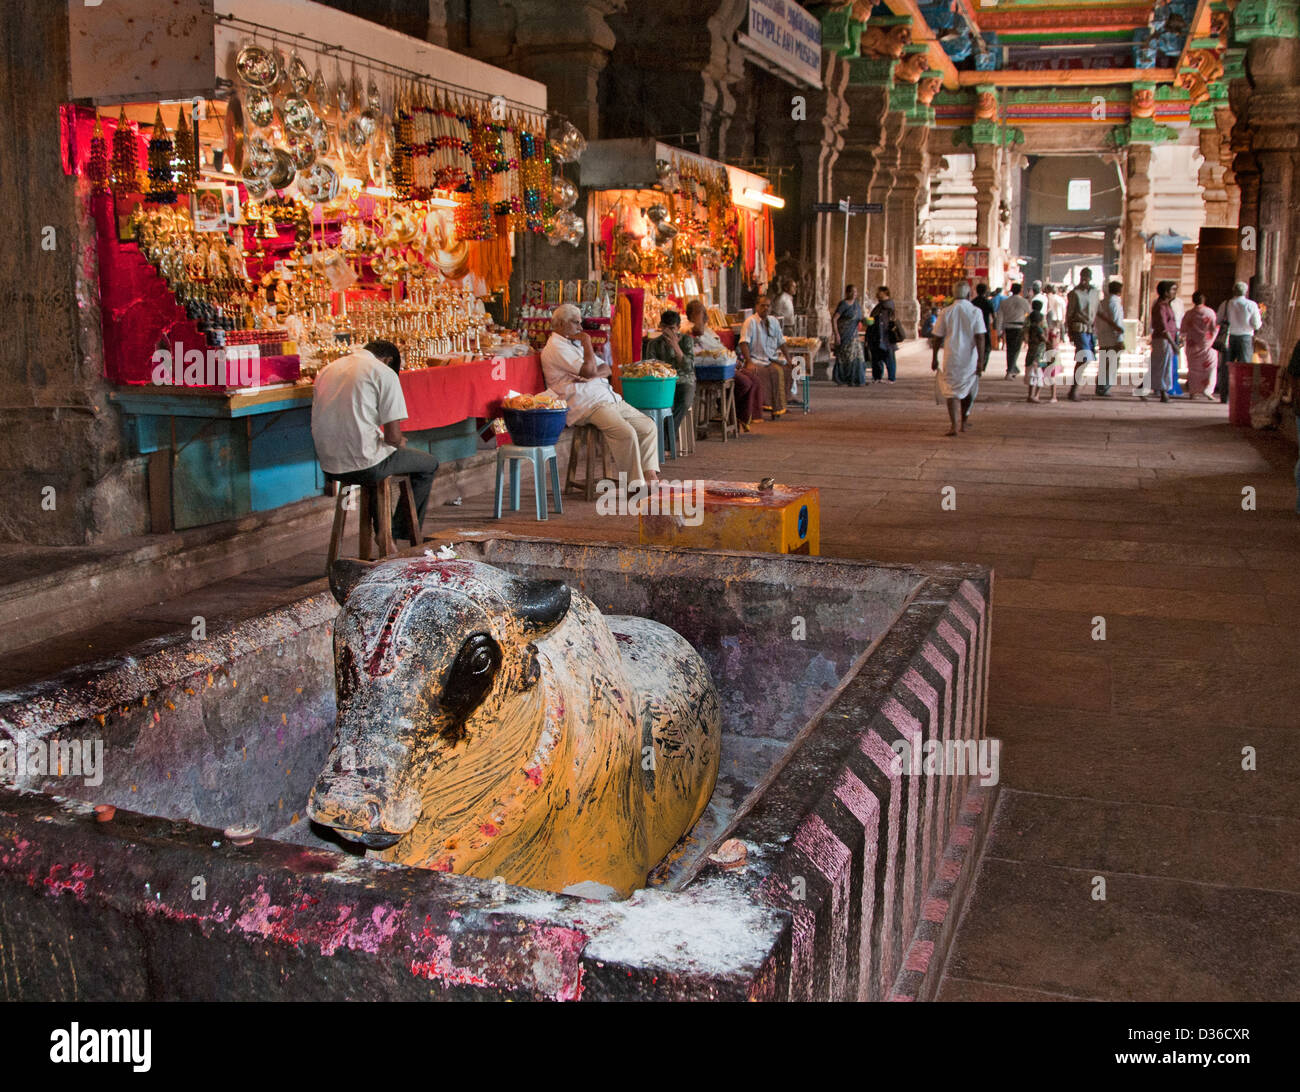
[{"x": 496, "y": 726}]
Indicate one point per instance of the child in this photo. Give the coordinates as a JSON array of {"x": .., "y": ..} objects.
[{"x": 1036, "y": 351}]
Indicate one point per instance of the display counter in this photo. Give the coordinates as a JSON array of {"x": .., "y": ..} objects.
[{"x": 218, "y": 455}]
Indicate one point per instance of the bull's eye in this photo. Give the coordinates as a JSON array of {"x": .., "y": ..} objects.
[{"x": 471, "y": 675}]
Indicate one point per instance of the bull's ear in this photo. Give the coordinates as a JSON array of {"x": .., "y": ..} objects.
[
  {"x": 345, "y": 574},
  {"x": 541, "y": 604}
]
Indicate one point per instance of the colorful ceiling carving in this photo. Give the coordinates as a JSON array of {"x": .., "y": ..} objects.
[{"x": 1056, "y": 60}]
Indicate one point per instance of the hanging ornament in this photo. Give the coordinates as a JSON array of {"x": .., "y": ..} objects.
[
  {"x": 186, "y": 161},
  {"x": 126, "y": 162},
  {"x": 97, "y": 169},
  {"x": 564, "y": 194},
  {"x": 567, "y": 144},
  {"x": 162, "y": 182}
]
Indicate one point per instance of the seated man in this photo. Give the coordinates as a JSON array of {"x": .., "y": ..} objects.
[
  {"x": 357, "y": 412},
  {"x": 572, "y": 371},
  {"x": 677, "y": 350},
  {"x": 761, "y": 340}
]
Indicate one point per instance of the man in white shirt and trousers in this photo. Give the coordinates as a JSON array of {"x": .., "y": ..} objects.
[
  {"x": 357, "y": 412},
  {"x": 962, "y": 331},
  {"x": 573, "y": 371}
]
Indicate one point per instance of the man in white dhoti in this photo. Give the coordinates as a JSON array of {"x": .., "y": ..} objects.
[{"x": 961, "y": 332}]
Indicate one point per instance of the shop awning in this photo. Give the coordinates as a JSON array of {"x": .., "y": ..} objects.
[
  {"x": 190, "y": 44},
  {"x": 633, "y": 165}
]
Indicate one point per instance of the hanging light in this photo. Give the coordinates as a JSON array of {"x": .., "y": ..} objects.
[{"x": 762, "y": 198}]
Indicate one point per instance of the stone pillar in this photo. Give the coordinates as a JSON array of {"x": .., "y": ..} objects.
[
  {"x": 820, "y": 141},
  {"x": 856, "y": 171},
  {"x": 988, "y": 195},
  {"x": 882, "y": 186},
  {"x": 1273, "y": 65},
  {"x": 566, "y": 53},
  {"x": 1223, "y": 121},
  {"x": 1213, "y": 191},
  {"x": 911, "y": 179},
  {"x": 1133, "y": 257}
]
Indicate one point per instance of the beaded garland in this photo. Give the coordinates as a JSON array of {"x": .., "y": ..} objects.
[
  {"x": 162, "y": 183},
  {"x": 97, "y": 169},
  {"x": 126, "y": 161}
]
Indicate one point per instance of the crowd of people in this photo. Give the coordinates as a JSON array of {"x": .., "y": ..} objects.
[{"x": 1067, "y": 331}]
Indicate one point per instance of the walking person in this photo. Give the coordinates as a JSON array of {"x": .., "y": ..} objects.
[
  {"x": 1012, "y": 314},
  {"x": 1198, "y": 329},
  {"x": 850, "y": 364},
  {"x": 985, "y": 305},
  {"x": 1109, "y": 329},
  {"x": 1036, "y": 375},
  {"x": 1080, "y": 314},
  {"x": 1243, "y": 317},
  {"x": 961, "y": 333},
  {"x": 1054, "y": 308},
  {"x": 1164, "y": 341},
  {"x": 880, "y": 336}
]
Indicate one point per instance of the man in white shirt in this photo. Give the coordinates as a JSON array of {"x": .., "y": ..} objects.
[
  {"x": 1109, "y": 327},
  {"x": 783, "y": 305},
  {"x": 1080, "y": 314},
  {"x": 357, "y": 412},
  {"x": 1242, "y": 317},
  {"x": 573, "y": 372},
  {"x": 1012, "y": 313},
  {"x": 761, "y": 340},
  {"x": 963, "y": 333}
]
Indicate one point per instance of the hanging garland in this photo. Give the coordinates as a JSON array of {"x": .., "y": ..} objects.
[
  {"x": 162, "y": 182},
  {"x": 126, "y": 162},
  {"x": 97, "y": 168}
]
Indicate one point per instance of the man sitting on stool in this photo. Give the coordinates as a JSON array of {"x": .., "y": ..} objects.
[
  {"x": 761, "y": 340},
  {"x": 572, "y": 371},
  {"x": 357, "y": 412}
]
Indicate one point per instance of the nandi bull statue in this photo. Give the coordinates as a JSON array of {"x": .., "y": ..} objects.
[{"x": 491, "y": 726}]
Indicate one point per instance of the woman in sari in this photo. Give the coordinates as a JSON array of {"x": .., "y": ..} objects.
[
  {"x": 850, "y": 362},
  {"x": 1199, "y": 327}
]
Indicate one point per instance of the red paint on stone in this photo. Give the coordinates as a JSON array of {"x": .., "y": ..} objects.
[
  {"x": 918, "y": 959},
  {"x": 935, "y": 910}
]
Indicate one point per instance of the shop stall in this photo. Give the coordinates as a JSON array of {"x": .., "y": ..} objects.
[
  {"x": 330, "y": 182},
  {"x": 666, "y": 226}
]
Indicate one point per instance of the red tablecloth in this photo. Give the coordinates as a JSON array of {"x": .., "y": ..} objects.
[
  {"x": 436, "y": 397},
  {"x": 728, "y": 338}
]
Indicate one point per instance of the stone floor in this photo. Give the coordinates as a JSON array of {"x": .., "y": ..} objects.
[{"x": 1122, "y": 758}]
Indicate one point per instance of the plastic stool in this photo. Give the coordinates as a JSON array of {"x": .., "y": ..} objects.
[
  {"x": 663, "y": 419},
  {"x": 802, "y": 386},
  {"x": 540, "y": 457}
]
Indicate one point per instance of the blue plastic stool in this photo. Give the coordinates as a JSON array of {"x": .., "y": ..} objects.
[
  {"x": 804, "y": 381},
  {"x": 539, "y": 457},
  {"x": 663, "y": 419}
]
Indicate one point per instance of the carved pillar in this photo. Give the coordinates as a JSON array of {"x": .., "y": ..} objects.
[
  {"x": 910, "y": 180},
  {"x": 1214, "y": 194},
  {"x": 1133, "y": 255},
  {"x": 567, "y": 54},
  {"x": 988, "y": 195},
  {"x": 820, "y": 140},
  {"x": 879, "y": 226},
  {"x": 1223, "y": 121},
  {"x": 855, "y": 173},
  {"x": 1272, "y": 65}
]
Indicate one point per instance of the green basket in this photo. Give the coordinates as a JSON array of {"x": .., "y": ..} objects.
[{"x": 649, "y": 392}]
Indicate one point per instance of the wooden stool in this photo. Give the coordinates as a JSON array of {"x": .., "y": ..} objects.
[
  {"x": 715, "y": 404},
  {"x": 379, "y": 498},
  {"x": 686, "y": 434},
  {"x": 588, "y": 439},
  {"x": 541, "y": 458}
]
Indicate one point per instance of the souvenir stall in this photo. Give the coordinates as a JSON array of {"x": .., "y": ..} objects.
[
  {"x": 938, "y": 268},
  {"x": 666, "y": 226},
  {"x": 316, "y": 197}
]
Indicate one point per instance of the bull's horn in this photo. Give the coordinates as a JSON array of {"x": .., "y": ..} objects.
[
  {"x": 542, "y": 604},
  {"x": 345, "y": 573}
]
